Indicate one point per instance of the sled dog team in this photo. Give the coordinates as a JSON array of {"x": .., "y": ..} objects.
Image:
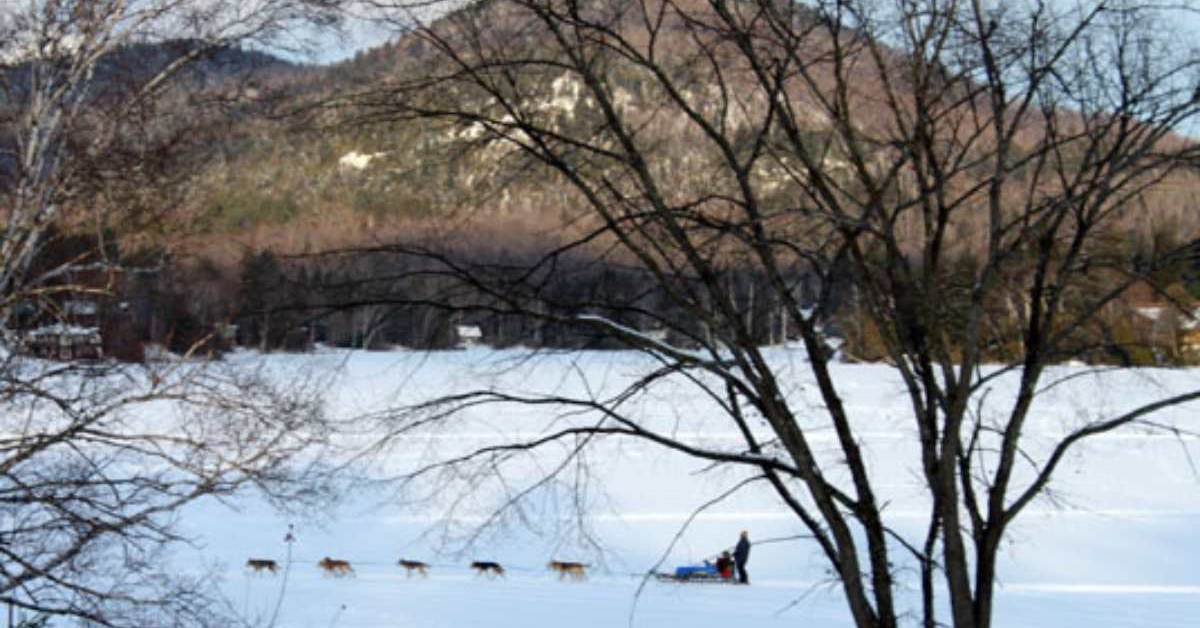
[
  {"x": 337, "y": 568},
  {"x": 726, "y": 566}
]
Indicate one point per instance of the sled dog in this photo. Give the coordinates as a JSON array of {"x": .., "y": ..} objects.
[
  {"x": 259, "y": 565},
  {"x": 487, "y": 567},
  {"x": 334, "y": 567},
  {"x": 414, "y": 565},
  {"x": 565, "y": 569}
]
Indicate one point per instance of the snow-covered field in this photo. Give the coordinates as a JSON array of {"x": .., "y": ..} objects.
[{"x": 1117, "y": 546}]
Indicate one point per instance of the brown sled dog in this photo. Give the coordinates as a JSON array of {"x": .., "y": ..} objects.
[
  {"x": 259, "y": 565},
  {"x": 334, "y": 567},
  {"x": 487, "y": 567},
  {"x": 414, "y": 565},
  {"x": 576, "y": 571}
]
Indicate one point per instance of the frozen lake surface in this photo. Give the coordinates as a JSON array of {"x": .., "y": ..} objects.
[{"x": 1117, "y": 546}]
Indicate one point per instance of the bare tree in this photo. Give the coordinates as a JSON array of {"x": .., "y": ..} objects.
[
  {"x": 101, "y": 102},
  {"x": 106, "y": 115},
  {"x": 96, "y": 466},
  {"x": 964, "y": 174}
]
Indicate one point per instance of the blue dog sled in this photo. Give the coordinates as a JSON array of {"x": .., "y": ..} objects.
[{"x": 694, "y": 573}]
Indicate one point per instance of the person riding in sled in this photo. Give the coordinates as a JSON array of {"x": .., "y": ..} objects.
[{"x": 724, "y": 565}]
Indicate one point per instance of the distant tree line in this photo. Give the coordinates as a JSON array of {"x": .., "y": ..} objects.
[
  {"x": 411, "y": 296},
  {"x": 406, "y": 297}
]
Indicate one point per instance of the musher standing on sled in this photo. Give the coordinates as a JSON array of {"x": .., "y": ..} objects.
[{"x": 741, "y": 555}]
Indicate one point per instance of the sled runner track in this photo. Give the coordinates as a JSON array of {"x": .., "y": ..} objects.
[
  {"x": 383, "y": 598},
  {"x": 527, "y": 577}
]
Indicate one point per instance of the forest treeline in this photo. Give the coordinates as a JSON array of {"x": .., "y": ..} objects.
[{"x": 416, "y": 297}]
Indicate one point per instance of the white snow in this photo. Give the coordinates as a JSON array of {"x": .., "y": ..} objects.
[
  {"x": 62, "y": 329},
  {"x": 566, "y": 91},
  {"x": 355, "y": 160},
  {"x": 1116, "y": 547},
  {"x": 1151, "y": 312},
  {"x": 26, "y": 46}
]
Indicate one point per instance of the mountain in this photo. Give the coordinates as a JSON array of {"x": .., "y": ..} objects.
[
  {"x": 120, "y": 73},
  {"x": 135, "y": 63},
  {"x": 340, "y": 156},
  {"x": 343, "y": 175}
]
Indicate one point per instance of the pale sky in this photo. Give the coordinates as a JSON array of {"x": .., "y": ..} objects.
[
  {"x": 358, "y": 35},
  {"x": 361, "y": 33}
]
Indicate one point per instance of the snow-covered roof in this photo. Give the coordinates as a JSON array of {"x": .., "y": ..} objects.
[
  {"x": 1191, "y": 320},
  {"x": 469, "y": 332},
  {"x": 59, "y": 329},
  {"x": 1152, "y": 312},
  {"x": 657, "y": 335}
]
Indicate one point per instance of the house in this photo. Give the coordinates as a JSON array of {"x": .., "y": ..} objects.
[
  {"x": 1189, "y": 343},
  {"x": 1189, "y": 336},
  {"x": 468, "y": 336},
  {"x": 658, "y": 335},
  {"x": 63, "y": 342},
  {"x": 78, "y": 316}
]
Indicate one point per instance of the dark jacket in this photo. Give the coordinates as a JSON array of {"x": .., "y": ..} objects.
[{"x": 741, "y": 553}]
